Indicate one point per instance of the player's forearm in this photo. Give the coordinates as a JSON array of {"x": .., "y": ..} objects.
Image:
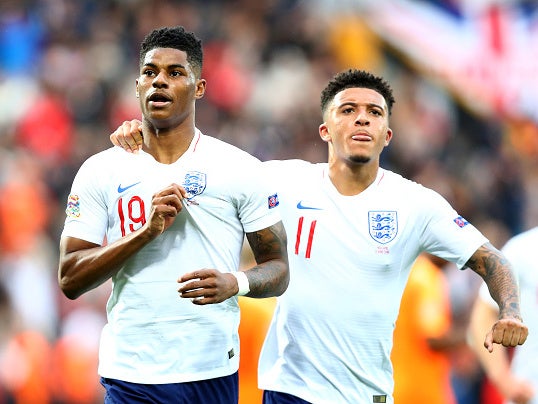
[
  {"x": 270, "y": 277},
  {"x": 84, "y": 266},
  {"x": 497, "y": 272}
]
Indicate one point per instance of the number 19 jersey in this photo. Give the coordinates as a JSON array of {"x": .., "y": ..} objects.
[{"x": 153, "y": 336}]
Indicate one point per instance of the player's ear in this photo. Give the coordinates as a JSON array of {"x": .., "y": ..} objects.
[
  {"x": 200, "y": 88},
  {"x": 324, "y": 132},
  {"x": 388, "y": 136}
]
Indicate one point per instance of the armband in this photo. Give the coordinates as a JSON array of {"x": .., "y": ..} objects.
[{"x": 242, "y": 283}]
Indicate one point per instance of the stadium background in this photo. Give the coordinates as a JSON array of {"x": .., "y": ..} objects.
[{"x": 465, "y": 121}]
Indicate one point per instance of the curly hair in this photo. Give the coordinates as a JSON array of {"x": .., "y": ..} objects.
[
  {"x": 354, "y": 78},
  {"x": 176, "y": 38}
]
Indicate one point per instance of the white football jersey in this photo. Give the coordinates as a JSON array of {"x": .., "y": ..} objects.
[
  {"x": 152, "y": 335},
  {"x": 521, "y": 251},
  {"x": 331, "y": 335}
]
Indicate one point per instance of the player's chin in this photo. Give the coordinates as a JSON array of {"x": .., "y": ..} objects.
[{"x": 360, "y": 158}]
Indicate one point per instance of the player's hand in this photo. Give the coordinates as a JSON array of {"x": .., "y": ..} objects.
[
  {"x": 165, "y": 206},
  {"x": 207, "y": 286},
  {"x": 508, "y": 332},
  {"x": 128, "y": 136}
]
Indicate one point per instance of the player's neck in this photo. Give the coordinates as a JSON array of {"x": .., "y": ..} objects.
[
  {"x": 352, "y": 179},
  {"x": 169, "y": 144}
]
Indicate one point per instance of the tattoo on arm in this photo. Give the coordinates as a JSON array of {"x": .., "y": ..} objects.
[
  {"x": 270, "y": 276},
  {"x": 494, "y": 268}
]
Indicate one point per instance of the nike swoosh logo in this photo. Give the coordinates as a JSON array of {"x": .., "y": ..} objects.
[
  {"x": 123, "y": 189},
  {"x": 301, "y": 206}
]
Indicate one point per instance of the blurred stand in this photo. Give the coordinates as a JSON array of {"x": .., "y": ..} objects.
[{"x": 64, "y": 86}]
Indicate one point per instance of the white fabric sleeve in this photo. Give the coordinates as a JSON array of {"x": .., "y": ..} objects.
[
  {"x": 258, "y": 206},
  {"x": 86, "y": 212},
  {"x": 447, "y": 234}
]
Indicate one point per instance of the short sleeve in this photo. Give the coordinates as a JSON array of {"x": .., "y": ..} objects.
[{"x": 86, "y": 211}]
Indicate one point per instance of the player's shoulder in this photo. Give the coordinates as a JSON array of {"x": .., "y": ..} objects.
[
  {"x": 110, "y": 155},
  {"x": 398, "y": 182},
  {"x": 408, "y": 192},
  {"x": 222, "y": 150},
  {"x": 111, "y": 152}
]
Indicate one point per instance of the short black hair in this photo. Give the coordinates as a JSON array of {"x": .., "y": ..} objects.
[
  {"x": 354, "y": 78},
  {"x": 176, "y": 38}
]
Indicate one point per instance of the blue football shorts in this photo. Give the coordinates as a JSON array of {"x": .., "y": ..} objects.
[
  {"x": 276, "y": 397},
  {"x": 221, "y": 390}
]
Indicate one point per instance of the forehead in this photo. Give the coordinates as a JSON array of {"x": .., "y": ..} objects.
[
  {"x": 359, "y": 96},
  {"x": 166, "y": 57}
]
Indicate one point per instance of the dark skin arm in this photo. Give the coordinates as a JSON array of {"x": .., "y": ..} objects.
[
  {"x": 84, "y": 266},
  {"x": 270, "y": 251},
  {"x": 270, "y": 277},
  {"x": 494, "y": 268}
]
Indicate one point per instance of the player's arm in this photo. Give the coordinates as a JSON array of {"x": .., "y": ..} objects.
[
  {"x": 495, "y": 364},
  {"x": 84, "y": 265},
  {"x": 128, "y": 136},
  {"x": 494, "y": 268},
  {"x": 269, "y": 277}
]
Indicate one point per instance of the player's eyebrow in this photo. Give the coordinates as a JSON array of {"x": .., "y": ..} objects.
[
  {"x": 356, "y": 104},
  {"x": 172, "y": 66}
]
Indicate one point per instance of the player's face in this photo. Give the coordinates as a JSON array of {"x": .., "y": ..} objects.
[
  {"x": 167, "y": 87},
  {"x": 356, "y": 125}
]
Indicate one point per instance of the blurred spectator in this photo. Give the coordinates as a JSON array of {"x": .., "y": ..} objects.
[
  {"x": 24, "y": 359},
  {"x": 75, "y": 352},
  {"x": 22, "y": 35},
  {"x": 424, "y": 337},
  {"x": 256, "y": 316},
  {"x": 24, "y": 212}
]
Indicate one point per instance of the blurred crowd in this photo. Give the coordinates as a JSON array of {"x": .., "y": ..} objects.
[{"x": 67, "y": 80}]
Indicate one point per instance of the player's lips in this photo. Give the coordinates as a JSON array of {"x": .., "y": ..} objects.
[
  {"x": 159, "y": 99},
  {"x": 362, "y": 136}
]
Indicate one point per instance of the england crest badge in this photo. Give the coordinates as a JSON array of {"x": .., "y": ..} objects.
[
  {"x": 194, "y": 183},
  {"x": 383, "y": 225}
]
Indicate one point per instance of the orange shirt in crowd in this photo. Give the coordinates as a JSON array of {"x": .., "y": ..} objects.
[
  {"x": 256, "y": 315},
  {"x": 422, "y": 375}
]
